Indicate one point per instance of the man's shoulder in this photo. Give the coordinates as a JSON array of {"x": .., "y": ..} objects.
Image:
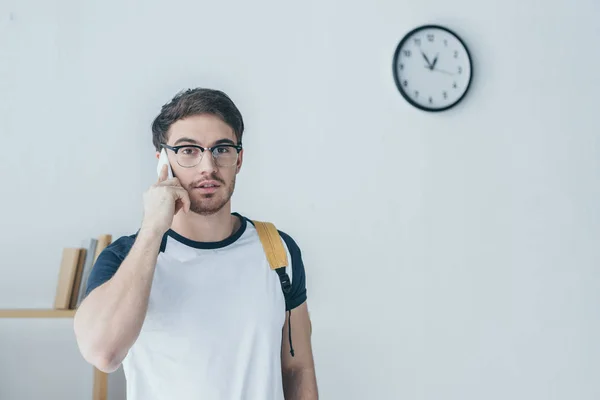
[
  {"x": 108, "y": 261},
  {"x": 292, "y": 246},
  {"x": 283, "y": 233},
  {"x": 295, "y": 268},
  {"x": 121, "y": 246}
]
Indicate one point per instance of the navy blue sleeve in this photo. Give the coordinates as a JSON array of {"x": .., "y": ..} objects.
[
  {"x": 298, "y": 292},
  {"x": 108, "y": 262}
]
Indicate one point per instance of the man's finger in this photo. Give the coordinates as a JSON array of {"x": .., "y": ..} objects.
[
  {"x": 188, "y": 202},
  {"x": 171, "y": 182},
  {"x": 184, "y": 196}
]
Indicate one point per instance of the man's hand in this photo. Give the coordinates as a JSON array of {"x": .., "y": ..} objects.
[{"x": 162, "y": 201}]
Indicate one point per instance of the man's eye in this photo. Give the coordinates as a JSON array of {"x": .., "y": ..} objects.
[
  {"x": 222, "y": 150},
  {"x": 189, "y": 151}
]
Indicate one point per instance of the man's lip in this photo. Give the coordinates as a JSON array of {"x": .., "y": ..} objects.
[{"x": 214, "y": 183}]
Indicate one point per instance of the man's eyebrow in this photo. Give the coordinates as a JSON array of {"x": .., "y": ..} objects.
[
  {"x": 185, "y": 139},
  {"x": 194, "y": 141},
  {"x": 224, "y": 141}
]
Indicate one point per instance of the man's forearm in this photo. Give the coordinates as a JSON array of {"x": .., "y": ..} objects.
[
  {"x": 300, "y": 384},
  {"x": 109, "y": 320}
]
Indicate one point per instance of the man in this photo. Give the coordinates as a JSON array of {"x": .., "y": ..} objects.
[{"x": 189, "y": 304}]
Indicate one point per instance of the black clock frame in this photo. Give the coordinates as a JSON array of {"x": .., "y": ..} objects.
[{"x": 395, "y": 67}]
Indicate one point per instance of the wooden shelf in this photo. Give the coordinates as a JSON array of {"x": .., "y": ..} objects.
[{"x": 32, "y": 313}]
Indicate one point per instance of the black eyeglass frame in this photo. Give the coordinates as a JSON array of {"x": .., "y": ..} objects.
[{"x": 175, "y": 149}]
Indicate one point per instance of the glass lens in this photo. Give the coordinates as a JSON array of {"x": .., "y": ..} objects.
[
  {"x": 189, "y": 156},
  {"x": 225, "y": 156}
]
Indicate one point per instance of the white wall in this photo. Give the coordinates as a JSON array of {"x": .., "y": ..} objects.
[{"x": 461, "y": 265}]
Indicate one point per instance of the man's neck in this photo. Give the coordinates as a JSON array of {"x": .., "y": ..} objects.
[{"x": 206, "y": 228}]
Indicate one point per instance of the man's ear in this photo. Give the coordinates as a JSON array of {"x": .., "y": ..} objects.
[{"x": 239, "y": 161}]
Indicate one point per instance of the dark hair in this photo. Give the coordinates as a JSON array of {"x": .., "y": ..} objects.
[{"x": 194, "y": 102}]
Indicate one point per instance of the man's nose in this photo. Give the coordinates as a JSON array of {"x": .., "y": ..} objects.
[{"x": 207, "y": 163}]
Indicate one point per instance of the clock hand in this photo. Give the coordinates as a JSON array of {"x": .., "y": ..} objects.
[
  {"x": 446, "y": 72},
  {"x": 427, "y": 59},
  {"x": 434, "y": 61},
  {"x": 441, "y": 70}
]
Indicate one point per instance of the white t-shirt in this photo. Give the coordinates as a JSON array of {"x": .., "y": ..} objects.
[{"x": 213, "y": 330}]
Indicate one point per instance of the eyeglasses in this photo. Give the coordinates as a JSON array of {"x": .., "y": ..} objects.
[{"x": 188, "y": 156}]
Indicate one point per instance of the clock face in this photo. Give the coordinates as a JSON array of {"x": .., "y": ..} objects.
[{"x": 432, "y": 68}]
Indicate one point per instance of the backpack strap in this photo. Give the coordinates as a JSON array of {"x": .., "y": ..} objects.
[
  {"x": 276, "y": 254},
  {"x": 277, "y": 257},
  {"x": 271, "y": 241}
]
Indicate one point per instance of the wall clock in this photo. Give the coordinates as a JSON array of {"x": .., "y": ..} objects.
[{"x": 432, "y": 68}]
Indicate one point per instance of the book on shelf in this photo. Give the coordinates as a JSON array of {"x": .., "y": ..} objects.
[
  {"x": 69, "y": 267},
  {"x": 76, "y": 265},
  {"x": 77, "y": 281},
  {"x": 87, "y": 268}
]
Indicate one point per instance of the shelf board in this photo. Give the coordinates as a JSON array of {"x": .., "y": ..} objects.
[{"x": 33, "y": 313}]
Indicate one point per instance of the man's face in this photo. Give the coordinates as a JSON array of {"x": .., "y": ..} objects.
[{"x": 204, "y": 130}]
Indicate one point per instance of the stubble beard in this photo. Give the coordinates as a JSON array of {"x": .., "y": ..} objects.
[{"x": 211, "y": 203}]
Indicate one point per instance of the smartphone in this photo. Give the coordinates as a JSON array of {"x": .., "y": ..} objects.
[{"x": 162, "y": 160}]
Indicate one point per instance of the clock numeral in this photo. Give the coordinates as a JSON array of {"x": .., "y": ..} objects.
[
  {"x": 430, "y": 37},
  {"x": 454, "y": 85},
  {"x": 460, "y": 70},
  {"x": 455, "y": 53},
  {"x": 445, "y": 94},
  {"x": 418, "y": 41},
  {"x": 401, "y": 66},
  {"x": 445, "y": 42},
  {"x": 431, "y": 100},
  {"x": 416, "y": 93},
  {"x": 407, "y": 53},
  {"x": 405, "y": 83}
]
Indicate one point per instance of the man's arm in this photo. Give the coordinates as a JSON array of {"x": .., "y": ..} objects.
[
  {"x": 110, "y": 318},
  {"x": 299, "y": 378}
]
